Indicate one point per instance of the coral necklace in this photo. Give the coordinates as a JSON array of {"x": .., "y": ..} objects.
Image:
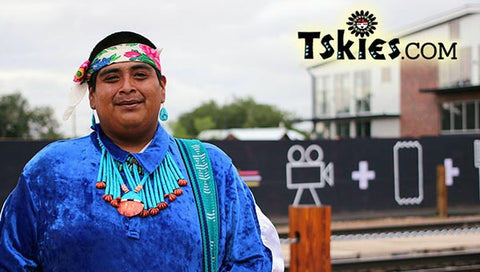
[{"x": 150, "y": 191}]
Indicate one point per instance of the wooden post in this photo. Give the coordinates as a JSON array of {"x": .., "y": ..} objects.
[
  {"x": 311, "y": 225},
  {"x": 441, "y": 192}
]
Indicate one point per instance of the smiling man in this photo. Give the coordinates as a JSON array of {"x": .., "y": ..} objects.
[
  {"x": 128, "y": 103},
  {"x": 130, "y": 197}
]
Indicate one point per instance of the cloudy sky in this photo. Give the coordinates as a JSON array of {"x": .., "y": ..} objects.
[{"x": 212, "y": 49}]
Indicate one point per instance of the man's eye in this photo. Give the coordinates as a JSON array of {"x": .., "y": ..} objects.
[
  {"x": 140, "y": 75},
  {"x": 111, "y": 78}
]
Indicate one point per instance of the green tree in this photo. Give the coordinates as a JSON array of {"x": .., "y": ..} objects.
[
  {"x": 241, "y": 113},
  {"x": 204, "y": 123},
  {"x": 18, "y": 120},
  {"x": 185, "y": 126}
]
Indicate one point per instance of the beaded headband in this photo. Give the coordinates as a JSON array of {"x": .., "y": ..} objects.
[{"x": 115, "y": 54}]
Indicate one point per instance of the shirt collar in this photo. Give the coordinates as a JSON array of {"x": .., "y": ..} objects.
[{"x": 149, "y": 159}]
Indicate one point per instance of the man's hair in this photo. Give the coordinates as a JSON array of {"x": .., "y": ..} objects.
[
  {"x": 115, "y": 39},
  {"x": 119, "y": 38}
]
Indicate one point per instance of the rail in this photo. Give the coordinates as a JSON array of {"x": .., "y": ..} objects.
[{"x": 460, "y": 260}]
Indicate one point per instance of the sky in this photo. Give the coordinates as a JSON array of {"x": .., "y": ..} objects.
[{"x": 212, "y": 50}]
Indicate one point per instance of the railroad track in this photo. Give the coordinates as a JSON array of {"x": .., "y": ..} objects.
[
  {"x": 430, "y": 227},
  {"x": 440, "y": 228},
  {"x": 455, "y": 259}
]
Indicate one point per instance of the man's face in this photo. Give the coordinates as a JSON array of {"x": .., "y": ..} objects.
[{"x": 127, "y": 97}]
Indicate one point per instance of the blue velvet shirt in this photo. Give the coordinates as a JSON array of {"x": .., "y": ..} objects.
[{"x": 56, "y": 219}]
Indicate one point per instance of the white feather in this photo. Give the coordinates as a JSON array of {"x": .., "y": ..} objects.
[{"x": 77, "y": 92}]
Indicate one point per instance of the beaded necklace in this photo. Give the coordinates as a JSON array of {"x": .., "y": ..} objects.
[{"x": 150, "y": 191}]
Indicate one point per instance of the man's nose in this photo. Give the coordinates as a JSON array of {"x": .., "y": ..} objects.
[{"x": 128, "y": 85}]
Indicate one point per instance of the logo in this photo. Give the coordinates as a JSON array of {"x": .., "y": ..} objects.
[{"x": 362, "y": 25}]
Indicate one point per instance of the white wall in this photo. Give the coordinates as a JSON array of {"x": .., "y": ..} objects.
[
  {"x": 386, "y": 128},
  {"x": 470, "y": 36},
  {"x": 386, "y": 95}
]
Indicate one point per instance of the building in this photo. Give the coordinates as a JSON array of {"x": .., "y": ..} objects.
[{"x": 434, "y": 90}]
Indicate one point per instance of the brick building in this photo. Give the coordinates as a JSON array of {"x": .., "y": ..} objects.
[{"x": 432, "y": 88}]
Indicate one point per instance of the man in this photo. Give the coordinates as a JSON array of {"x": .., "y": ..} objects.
[{"x": 121, "y": 199}]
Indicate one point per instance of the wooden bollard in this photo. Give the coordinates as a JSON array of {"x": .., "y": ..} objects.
[
  {"x": 311, "y": 226},
  {"x": 441, "y": 192}
]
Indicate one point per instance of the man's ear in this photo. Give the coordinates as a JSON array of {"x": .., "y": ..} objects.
[
  {"x": 92, "y": 98},
  {"x": 163, "y": 83}
]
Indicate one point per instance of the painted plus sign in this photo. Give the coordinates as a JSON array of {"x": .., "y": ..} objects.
[
  {"x": 363, "y": 175},
  {"x": 450, "y": 171}
]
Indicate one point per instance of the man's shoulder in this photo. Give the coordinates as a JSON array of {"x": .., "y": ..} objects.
[
  {"x": 68, "y": 145},
  {"x": 60, "y": 150},
  {"x": 217, "y": 155}
]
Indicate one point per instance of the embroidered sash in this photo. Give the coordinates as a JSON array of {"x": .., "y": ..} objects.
[{"x": 205, "y": 190}]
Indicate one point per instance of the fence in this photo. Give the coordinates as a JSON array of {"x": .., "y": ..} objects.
[{"x": 349, "y": 175}]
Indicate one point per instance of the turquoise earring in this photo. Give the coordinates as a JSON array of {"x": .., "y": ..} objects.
[
  {"x": 163, "y": 114},
  {"x": 94, "y": 122}
]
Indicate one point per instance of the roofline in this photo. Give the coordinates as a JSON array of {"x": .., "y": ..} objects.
[
  {"x": 319, "y": 64},
  {"x": 358, "y": 117},
  {"x": 439, "y": 19}
]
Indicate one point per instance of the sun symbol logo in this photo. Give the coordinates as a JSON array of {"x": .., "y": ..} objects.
[{"x": 362, "y": 23}]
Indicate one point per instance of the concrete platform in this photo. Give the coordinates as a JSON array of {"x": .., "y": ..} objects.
[
  {"x": 405, "y": 245},
  {"x": 361, "y": 248}
]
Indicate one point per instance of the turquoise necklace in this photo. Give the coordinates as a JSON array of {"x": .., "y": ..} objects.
[{"x": 134, "y": 192}]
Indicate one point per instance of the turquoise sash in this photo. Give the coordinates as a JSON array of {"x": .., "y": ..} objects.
[{"x": 204, "y": 188}]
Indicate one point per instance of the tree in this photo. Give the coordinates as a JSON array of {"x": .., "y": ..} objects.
[
  {"x": 18, "y": 120},
  {"x": 241, "y": 113}
]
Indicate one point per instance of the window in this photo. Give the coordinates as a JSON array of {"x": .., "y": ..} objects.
[
  {"x": 446, "y": 122},
  {"x": 457, "y": 73},
  {"x": 343, "y": 130},
  {"x": 362, "y": 129},
  {"x": 470, "y": 115},
  {"x": 465, "y": 58},
  {"x": 386, "y": 74},
  {"x": 477, "y": 115},
  {"x": 342, "y": 94},
  {"x": 323, "y": 130},
  {"x": 457, "y": 112},
  {"x": 478, "y": 62},
  {"x": 461, "y": 117},
  {"x": 322, "y": 107},
  {"x": 362, "y": 91}
]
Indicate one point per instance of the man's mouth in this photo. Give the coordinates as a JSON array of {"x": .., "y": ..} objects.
[{"x": 130, "y": 103}]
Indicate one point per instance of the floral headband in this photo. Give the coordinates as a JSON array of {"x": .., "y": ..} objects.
[{"x": 115, "y": 54}]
